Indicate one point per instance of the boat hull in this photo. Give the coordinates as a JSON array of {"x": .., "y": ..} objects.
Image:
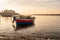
[{"x": 24, "y": 21}]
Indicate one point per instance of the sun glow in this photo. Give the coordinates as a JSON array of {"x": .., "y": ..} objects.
[{"x": 2, "y": 1}]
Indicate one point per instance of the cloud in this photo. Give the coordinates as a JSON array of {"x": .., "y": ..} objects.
[
  {"x": 41, "y": 0},
  {"x": 48, "y": 3},
  {"x": 48, "y": 0},
  {"x": 43, "y": 3}
]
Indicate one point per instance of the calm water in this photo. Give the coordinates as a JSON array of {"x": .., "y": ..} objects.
[{"x": 44, "y": 27}]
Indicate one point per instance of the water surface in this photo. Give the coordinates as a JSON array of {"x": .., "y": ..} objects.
[{"x": 44, "y": 26}]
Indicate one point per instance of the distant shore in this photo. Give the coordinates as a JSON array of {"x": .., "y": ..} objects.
[
  {"x": 8, "y": 15},
  {"x": 47, "y": 14}
]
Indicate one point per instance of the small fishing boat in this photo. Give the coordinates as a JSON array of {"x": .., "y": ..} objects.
[{"x": 23, "y": 20}]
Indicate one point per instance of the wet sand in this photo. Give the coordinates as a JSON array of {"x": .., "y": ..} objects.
[{"x": 15, "y": 36}]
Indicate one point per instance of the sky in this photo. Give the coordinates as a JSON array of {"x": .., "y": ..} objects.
[{"x": 32, "y": 6}]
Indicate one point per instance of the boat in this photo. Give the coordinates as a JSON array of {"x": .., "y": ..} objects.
[{"x": 23, "y": 20}]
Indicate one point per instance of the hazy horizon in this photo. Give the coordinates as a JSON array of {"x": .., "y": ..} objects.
[{"x": 32, "y": 6}]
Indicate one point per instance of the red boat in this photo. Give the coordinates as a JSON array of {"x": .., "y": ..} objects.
[{"x": 24, "y": 20}]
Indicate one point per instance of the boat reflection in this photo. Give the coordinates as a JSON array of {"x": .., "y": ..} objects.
[{"x": 19, "y": 27}]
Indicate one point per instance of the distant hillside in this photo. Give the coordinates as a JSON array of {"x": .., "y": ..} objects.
[{"x": 8, "y": 13}]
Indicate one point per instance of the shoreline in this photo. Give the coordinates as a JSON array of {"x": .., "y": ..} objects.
[{"x": 47, "y": 14}]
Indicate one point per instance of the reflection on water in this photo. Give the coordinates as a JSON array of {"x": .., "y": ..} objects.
[
  {"x": 19, "y": 27},
  {"x": 44, "y": 27}
]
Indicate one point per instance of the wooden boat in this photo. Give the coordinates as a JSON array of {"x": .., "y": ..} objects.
[{"x": 23, "y": 20}]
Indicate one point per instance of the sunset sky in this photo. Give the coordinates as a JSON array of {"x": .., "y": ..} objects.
[{"x": 32, "y": 6}]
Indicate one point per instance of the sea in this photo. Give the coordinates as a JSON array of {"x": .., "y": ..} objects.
[{"x": 44, "y": 28}]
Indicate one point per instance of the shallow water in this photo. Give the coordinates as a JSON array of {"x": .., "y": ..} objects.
[{"x": 44, "y": 28}]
